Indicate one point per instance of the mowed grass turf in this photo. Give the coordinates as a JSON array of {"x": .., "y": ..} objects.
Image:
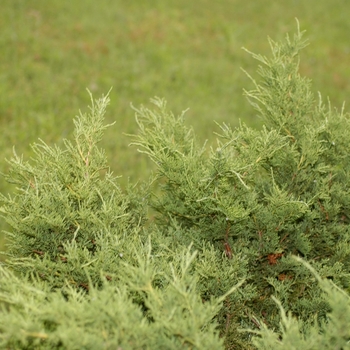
[{"x": 188, "y": 52}]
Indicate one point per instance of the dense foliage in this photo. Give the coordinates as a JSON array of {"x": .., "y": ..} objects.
[
  {"x": 267, "y": 194},
  {"x": 217, "y": 268}
]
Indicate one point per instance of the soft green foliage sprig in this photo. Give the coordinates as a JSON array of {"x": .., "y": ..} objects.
[
  {"x": 108, "y": 317},
  {"x": 66, "y": 199}
]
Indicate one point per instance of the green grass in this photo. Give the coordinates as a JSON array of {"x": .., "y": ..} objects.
[{"x": 188, "y": 52}]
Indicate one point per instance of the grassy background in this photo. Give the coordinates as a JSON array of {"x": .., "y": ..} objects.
[{"x": 188, "y": 52}]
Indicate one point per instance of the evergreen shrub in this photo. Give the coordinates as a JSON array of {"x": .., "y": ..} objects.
[
  {"x": 265, "y": 194},
  {"x": 85, "y": 269}
]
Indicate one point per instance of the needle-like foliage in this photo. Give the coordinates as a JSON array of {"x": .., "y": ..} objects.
[
  {"x": 85, "y": 270},
  {"x": 267, "y": 194}
]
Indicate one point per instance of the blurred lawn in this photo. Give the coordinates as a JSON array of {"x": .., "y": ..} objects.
[{"x": 186, "y": 51}]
